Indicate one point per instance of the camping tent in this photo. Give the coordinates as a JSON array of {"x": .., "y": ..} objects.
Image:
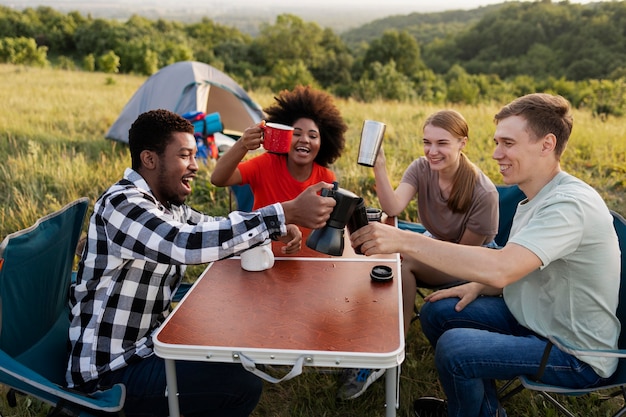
[{"x": 188, "y": 86}]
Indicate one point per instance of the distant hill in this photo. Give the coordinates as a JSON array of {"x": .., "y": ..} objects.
[
  {"x": 244, "y": 15},
  {"x": 425, "y": 27}
]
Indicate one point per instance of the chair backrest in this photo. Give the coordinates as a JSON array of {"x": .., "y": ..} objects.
[
  {"x": 620, "y": 228},
  {"x": 509, "y": 197},
  {"x": 244, "y": 198},
  {"x": 34, "y": 290}
]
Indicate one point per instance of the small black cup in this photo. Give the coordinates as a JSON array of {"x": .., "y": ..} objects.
[
  {"x": 381, "y": 273},
  {"x": 374, "y": 214},
  {"x": 357, "y": 220}
]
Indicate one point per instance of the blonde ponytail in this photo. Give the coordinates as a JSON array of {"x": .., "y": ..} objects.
[{"x": 463, "y": 186}]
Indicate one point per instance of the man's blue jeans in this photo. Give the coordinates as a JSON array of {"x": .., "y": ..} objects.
[
  {"x": 483, "y": 343},
  {"x": 205, "y": 388}
]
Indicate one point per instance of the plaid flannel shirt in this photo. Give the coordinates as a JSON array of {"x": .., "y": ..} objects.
[{"x": 132, "y": 264}]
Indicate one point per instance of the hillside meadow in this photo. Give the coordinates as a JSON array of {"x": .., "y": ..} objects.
[{"x": 53, "y": 150}]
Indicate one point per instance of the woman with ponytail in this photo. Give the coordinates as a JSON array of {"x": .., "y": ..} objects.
[{"x": 456, "y": 201}]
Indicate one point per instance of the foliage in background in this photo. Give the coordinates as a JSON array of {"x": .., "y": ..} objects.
[
  {"x": 23, "y": 51},
  {"x": 466, "y": 57}
]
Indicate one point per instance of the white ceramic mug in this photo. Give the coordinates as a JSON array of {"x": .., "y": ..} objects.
[{"x": 258, "y": 258}]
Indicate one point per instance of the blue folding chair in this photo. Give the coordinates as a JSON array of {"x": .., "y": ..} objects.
[
  {"x": 509, "y": 196},
  {"x": 244, "y": 198},
  {"x": 35, "y": 276},
  {"x": 617, "y": 382}
]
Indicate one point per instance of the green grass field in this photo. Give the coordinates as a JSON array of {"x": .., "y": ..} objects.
[{"x": 52, "y": 147}]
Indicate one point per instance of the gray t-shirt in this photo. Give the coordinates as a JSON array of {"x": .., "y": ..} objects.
[
  {"x": 574, "y": 294},
  {"x": 438, "y": 219}
]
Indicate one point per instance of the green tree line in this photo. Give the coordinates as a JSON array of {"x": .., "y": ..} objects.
[{"x": 578, "y": 51}]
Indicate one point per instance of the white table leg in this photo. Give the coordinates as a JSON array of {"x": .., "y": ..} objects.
[
  {"x": 391, "y": 387},
  {"x": 172, "y": 387}
]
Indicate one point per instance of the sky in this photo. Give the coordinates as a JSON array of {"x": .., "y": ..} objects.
[
  {"x": 340, "y": 15},
  {"x": 414, "y": 5},
  {"x": 443, "y": 4}
]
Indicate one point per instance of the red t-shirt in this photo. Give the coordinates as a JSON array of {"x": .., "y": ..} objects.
[{"x": 272, "y": 183}]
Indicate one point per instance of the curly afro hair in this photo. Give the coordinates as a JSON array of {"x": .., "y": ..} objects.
[{"x": 306, "y": 102}]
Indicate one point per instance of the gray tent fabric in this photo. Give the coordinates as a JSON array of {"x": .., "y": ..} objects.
[{"x": 190, "y": 86}]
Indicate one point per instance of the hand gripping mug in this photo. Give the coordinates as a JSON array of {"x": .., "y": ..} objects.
[
  {"x": 258, "y": 258},
  {"x": 277, "y": 137}
]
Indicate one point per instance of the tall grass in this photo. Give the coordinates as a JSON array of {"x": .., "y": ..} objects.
[{"x": 52, "y": 148}]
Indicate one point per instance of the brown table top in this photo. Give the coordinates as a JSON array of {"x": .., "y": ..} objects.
[{"x": 325, "y": 307}]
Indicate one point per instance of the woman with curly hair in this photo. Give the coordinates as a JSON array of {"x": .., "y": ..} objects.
[{"x": 318, "y": 140}]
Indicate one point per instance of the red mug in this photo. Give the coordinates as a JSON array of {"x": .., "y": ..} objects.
[{"x": 277, "y": 137}]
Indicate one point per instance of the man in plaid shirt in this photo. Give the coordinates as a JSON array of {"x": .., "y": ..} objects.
[{"x": 141, "y": 235}]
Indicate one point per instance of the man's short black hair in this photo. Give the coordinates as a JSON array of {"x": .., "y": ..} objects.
[{"x": 153, "y": 131}]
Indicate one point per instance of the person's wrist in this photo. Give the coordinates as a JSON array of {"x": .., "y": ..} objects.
[
  {"x": 287, "y": 211},
  {"x": 242, "y": 145}
]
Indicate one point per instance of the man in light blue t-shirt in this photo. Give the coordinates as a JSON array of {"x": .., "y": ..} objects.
[{"x": 558, "y": 275}]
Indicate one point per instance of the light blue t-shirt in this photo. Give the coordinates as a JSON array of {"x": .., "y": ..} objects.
[{"x": 574, "y": 294}]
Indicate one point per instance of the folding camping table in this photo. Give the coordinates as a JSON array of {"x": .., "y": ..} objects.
[{"x": 309, "y": 309}]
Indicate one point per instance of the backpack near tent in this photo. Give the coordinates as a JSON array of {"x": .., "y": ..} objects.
[
  {"x": 206, "y": 127},
  {"x": 190, "y": 88}
]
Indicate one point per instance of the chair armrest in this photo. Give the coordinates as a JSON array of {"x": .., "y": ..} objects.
[
  {"x": 20, "y": 377},
  {"x": 575, "y": 350}
]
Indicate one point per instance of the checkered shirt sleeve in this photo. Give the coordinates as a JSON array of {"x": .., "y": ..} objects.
[{"x": 133, "y": 261}]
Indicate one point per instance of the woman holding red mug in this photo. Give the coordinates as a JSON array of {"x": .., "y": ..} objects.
[{"x": 317, "y": 141}]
